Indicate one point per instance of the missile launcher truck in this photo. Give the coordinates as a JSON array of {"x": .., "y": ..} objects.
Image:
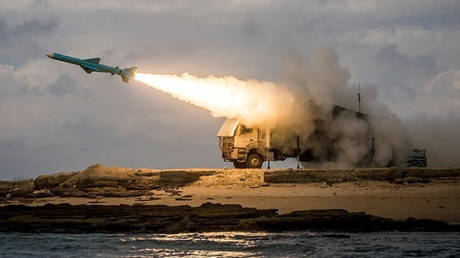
[{"x": 249, "y": 147}]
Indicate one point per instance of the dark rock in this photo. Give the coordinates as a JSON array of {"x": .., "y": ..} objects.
[
  {"x": 65, "y": 218},
  {"x": 6, "y": 187},
  {"x": 179, "y": 178},
  {"x": 411, "y": 180},
  {"x": 16, "y": 189},
  {"x": 426, "y": 224},
  {"x": 183, "y": 199},
  {"x": 332, "y": 176},
  {"x": 123, "y": 218},
  {"x": 71, "y": 192},
  {"x": 335, "y": 235},
  {"x": 44, "y": 193},
  {"x": 121, "y": 193},
  {"x": 97, "y": 201},
  {"x": 89, "y": 182}
]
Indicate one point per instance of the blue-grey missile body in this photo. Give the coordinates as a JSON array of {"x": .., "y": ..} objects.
[{"x": 92, "y": 65}]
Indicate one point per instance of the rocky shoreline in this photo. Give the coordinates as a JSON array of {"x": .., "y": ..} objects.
[
  {"x": 120, "y": 200},
  {"x": 209, "y": 217},
  {"x": 100, "y": 181}
]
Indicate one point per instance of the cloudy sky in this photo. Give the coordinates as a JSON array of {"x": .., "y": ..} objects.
[{"x": 55, "y": 117}]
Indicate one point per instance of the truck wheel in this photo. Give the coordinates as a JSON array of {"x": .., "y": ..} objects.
[
  {"x": 237, "y": 164},
  {"x": 254, "y": 161}
]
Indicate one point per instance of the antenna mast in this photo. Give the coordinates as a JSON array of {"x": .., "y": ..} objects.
[
  {"x": 357, "y": 89},
  {"x": 359, "y": 97}
]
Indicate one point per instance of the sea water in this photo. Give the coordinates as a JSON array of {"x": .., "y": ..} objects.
[{"x": 231, "y": 244}]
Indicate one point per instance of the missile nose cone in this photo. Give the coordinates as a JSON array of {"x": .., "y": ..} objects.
[{"x": 50, "y": 55}]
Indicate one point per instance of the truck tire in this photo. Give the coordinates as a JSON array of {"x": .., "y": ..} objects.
[
  {"x": 237, "y": 164},
  {"x": 254, "y": 161}
]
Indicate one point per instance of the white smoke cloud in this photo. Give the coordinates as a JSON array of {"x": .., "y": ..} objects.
[
  {"x": 300, "y": 106},
  {"x": 321, "y": 80}
]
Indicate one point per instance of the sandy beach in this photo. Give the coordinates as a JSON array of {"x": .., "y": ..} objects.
[{"x": 434, "y": 198}]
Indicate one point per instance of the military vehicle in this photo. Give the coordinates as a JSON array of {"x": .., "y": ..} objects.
[{"x": 250, "y": 147}]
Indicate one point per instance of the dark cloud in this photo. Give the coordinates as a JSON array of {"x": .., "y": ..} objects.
[
  {"x": 427, "y": 15},
  {"x": 34, "y": 27},
  {"x": 433, "y": 15},
  {"x": 20, "y": 42},
  {"x": 62, "y": 86},
  {"x": 395, "y": 68},
  {"x": 27, "y": 29}
]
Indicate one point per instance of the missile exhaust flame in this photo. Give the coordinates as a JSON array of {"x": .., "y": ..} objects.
[{"x": 251, "y": 101}]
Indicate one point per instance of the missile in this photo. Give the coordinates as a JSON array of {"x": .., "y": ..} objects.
[{"x": 92, "y": 65}]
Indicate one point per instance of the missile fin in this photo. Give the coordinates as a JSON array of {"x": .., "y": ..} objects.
[
  {"x": 86, "y": 69},
  {"x": 93, "y": 60}
]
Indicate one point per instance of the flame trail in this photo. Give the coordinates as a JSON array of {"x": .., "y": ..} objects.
[{"x": 251, "y": 101}]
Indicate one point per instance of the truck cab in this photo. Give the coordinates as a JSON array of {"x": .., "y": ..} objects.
[{"x": 245, "y": 146}]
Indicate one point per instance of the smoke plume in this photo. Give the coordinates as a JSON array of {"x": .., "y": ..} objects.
[
  {"x": 301, "y": 104},
  {"x": 321, "y": 82}
]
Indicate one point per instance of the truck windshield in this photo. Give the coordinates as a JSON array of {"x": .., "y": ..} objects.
[{"x": 245, "y": 130}]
